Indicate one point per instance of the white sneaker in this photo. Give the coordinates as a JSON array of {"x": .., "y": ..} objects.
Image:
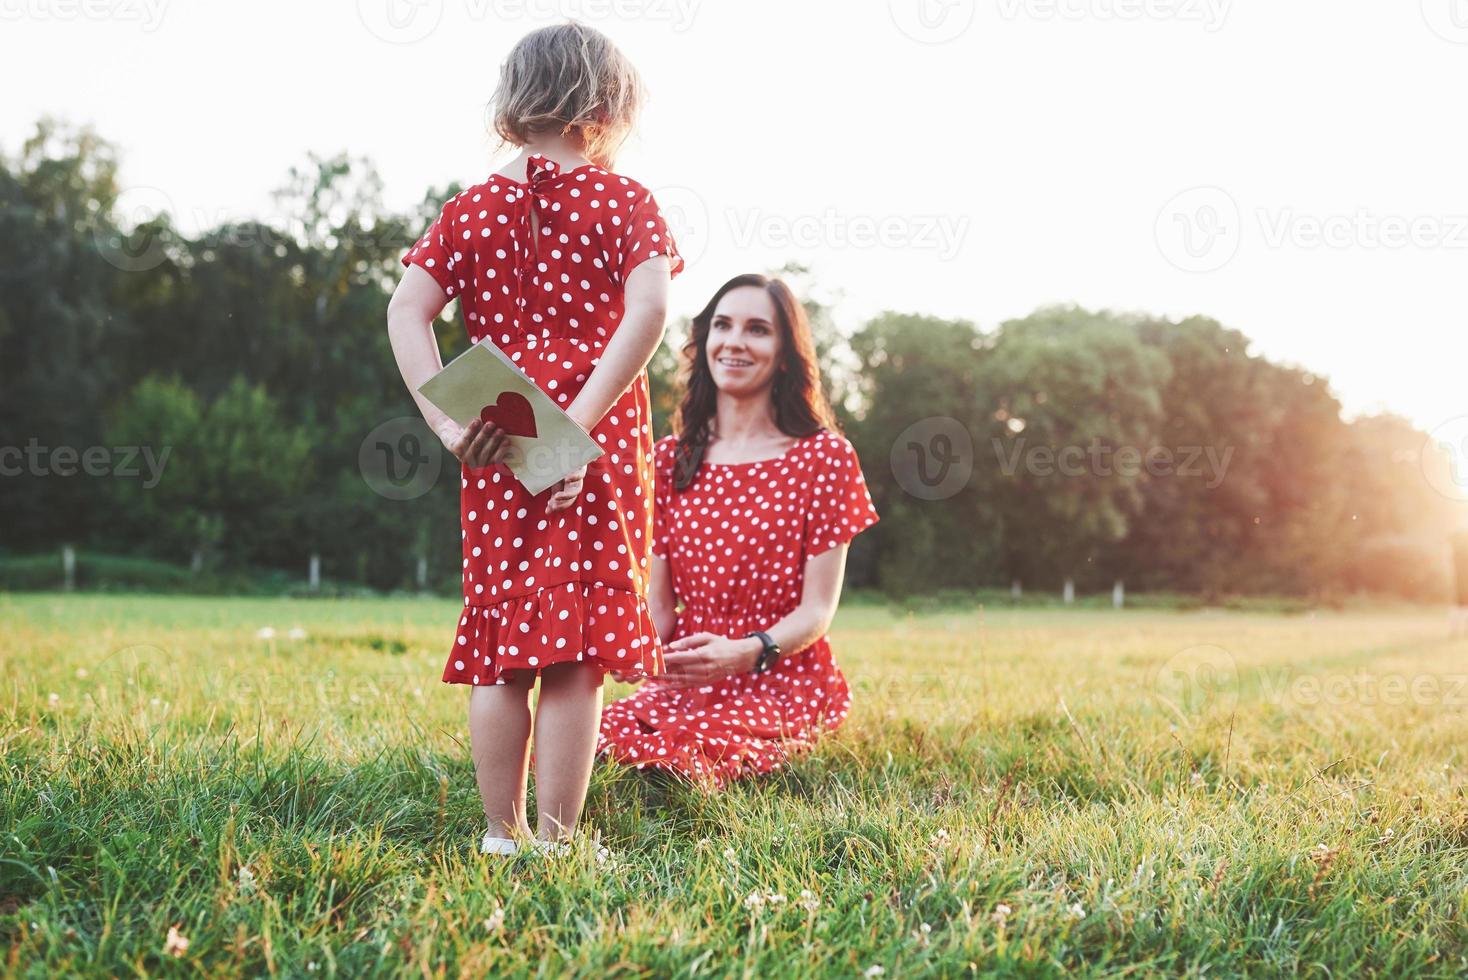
[
  {"x": 498, "y": 845},
  {"x": 548, "y": 848}
]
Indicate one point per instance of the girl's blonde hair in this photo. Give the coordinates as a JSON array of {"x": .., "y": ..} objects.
[{"x": 568, "y": 78}]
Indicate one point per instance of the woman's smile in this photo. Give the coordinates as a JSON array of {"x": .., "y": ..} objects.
[{"x": 743, "y": 342}]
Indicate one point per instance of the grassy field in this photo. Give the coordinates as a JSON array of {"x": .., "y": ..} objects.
[{"x": 1019, "y": 792}]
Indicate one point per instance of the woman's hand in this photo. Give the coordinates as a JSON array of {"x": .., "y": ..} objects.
[
  {"x": 565, "y": 491},
  {"x": 702, "y": 658},
  {"x": 477, "y": 444}
]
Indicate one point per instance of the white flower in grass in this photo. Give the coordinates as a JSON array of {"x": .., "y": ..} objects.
[
  {"x": 177, "y": 943},
  {"x": 53, "y": 698},
  {"x": 246, "y": 880},
  {"x": 1077, "y": 911},
  {"x": 1001, "y": 913},
  {"x": 81, "y": 672},
  {"x": 755, "y": 901},
  {"x": 939, "y": 838},
  {"x": 876, "y": 970},
  {"x": 297, "y": 633},
  {"x": 808, "y": 900},
  {"x": 495, "y": 920},
  {"x": 729, "y": 854},
  {"x": 265, "y": 633}
]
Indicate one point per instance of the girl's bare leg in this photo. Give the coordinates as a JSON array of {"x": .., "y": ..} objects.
[
  {"x": 567, "y": 717},
  {"x": 499, "y": 735}
]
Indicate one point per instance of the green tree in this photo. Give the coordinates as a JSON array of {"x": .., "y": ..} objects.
[{"x": 1066, "y": 390}]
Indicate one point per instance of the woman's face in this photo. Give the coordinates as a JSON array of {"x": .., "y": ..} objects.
[{"x": 744, "y": 341}]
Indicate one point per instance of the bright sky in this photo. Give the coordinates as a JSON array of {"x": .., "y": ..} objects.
[{"x": 1295, "y": 169}]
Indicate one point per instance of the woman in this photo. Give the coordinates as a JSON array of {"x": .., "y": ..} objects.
[{"x": 757, "y": 497}]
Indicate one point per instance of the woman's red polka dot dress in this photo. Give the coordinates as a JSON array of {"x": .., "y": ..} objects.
[
  {"x": 737, "y": 539},
  {"x": 543, "y": 588}
]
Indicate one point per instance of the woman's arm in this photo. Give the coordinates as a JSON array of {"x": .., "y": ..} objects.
[
  {"x": 703, "y": 657},
  {"x": 660, "y": 598},
  {"x": 819, "y": 597},
  {"x": 644, "y": 316}
]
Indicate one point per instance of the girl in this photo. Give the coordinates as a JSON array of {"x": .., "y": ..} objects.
[
  {"x": 757, "y": 498},
  {"x": 565, "y": 264}
]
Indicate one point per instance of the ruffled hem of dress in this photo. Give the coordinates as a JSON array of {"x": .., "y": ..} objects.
[
  {"x": 567, "y": 622},
  {"x": 701, "y": 764}
]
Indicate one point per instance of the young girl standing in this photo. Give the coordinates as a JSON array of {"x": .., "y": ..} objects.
[{"x": 565, "y": 265}]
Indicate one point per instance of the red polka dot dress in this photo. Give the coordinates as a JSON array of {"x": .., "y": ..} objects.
[
  {"x": 544, "y": 588},
  {"x": 737, "y": 539}
]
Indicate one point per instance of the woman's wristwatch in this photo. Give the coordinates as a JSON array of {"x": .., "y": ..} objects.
[{"x": 768, "y": 654}]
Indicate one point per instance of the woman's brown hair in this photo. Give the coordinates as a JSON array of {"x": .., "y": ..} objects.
[
  {"x": 568, "y": 77},
  {"x": 801, "y": 407}
]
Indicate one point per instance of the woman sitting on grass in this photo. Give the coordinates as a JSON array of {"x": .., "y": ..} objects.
[{"x": 757, "y": 498}]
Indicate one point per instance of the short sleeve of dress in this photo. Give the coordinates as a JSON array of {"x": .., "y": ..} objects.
[
  {"x": 434, "y": 252},
  {"x": 841, "y": 507},
  {"x": 662, "y": 461},
  {"x": 647, "y": 237}
]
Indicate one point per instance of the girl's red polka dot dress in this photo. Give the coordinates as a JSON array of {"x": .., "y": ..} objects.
[
  {"x": 737, "y": 539},
  {"x": 544, "y": 588}
]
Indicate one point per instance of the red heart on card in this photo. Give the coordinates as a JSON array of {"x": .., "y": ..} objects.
[{"x": 511, "y": 412}]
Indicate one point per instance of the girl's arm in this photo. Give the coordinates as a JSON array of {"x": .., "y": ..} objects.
[
  {"x": 645, "y": 310},
  {"x": 415, "y": 303}
]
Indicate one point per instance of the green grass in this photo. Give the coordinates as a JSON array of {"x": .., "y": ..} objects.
[{"x": 1197, "y": 792}]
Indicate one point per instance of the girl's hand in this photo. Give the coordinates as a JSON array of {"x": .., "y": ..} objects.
[
  {"x": 703, "y": 658},
  {"x": 621, "y": 676},
  {"x": 565, "y": 491},
  {"x": 477, "y": 444}
]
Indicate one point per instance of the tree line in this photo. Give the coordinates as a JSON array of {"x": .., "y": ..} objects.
[{"x": 203, "y": 397}]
